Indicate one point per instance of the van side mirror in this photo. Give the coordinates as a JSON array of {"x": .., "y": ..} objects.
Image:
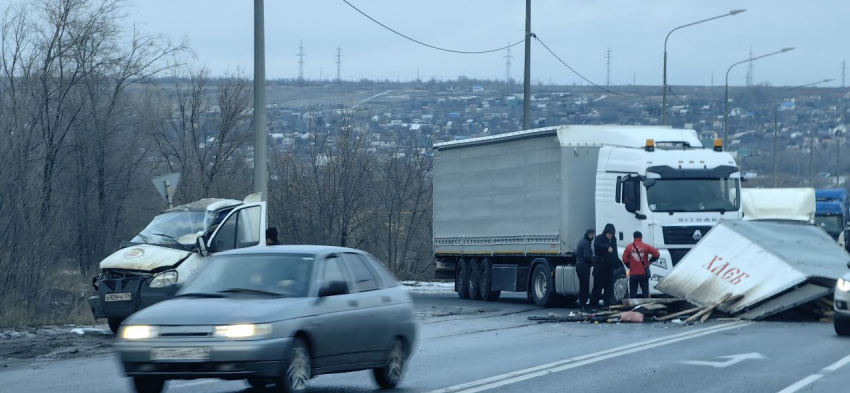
[
  {"x": 202, "y": 246},
  {"x": 333, "y": 288}
]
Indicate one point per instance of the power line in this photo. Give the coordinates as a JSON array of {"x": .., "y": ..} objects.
[
  {"x": 429, "y": 45},
  {"x": 338, "y": 64},
  {"x": 670, "y": 89},
  {"x": 576, "y": 72}
]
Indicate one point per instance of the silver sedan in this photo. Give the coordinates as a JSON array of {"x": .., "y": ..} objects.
[{"x": 274, "y": 316}]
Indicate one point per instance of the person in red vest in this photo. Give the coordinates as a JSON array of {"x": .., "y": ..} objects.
[{"x": 637, "y": 257}]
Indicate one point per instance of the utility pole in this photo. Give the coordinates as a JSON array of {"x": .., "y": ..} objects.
[
  {"x": 608, "y": 65},
  {"x": 750, "y": 69},
  {"x": 634, "y": 78},
  {"x": 301, "y": 62},
  {"x": 843, "y": 64},
  {"x": 261, "y": 176},
  {"x": 526, "y": 91},
  {"x": 508, "y": 58},
  {"x": 712, "y": 79},
  {"x": 338, "y": 65}
]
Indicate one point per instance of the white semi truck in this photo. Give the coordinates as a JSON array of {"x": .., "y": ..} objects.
[
  {"x": 509, "y": 209},
  {"x": 170, "y": 251}
]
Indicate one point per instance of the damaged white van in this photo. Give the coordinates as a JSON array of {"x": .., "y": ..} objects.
[{"x": 170, "y": 251}]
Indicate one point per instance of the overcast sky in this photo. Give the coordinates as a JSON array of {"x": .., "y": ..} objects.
[{"x": 220, "y": 32}]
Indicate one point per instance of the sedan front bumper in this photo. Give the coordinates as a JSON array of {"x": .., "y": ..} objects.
[{"x": 236, "y": 359}]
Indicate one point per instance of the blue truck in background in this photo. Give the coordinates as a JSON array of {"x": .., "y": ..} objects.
[{"x": 832, "y": 211}]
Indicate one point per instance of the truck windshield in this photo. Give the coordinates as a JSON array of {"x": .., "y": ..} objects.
[
  {"x": 694, "y": 195},
  {"x": 175, "y": 228},
  {"x": 254, "y": 275},
  {"x": 830, "y": 224}
]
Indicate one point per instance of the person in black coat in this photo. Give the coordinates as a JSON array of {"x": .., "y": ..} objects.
[
  {"x": 584, "y": 262},
  {"x": 607, "y": 258}
]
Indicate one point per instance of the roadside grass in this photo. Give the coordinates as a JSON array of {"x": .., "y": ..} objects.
[{"x": 59, "y": 299}]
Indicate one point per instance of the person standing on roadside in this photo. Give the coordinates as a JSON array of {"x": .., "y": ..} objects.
[
  {"x": 637, "y": 257},
  {"x": 605, "y": 247},
  {"x": 584, "y": 262}
]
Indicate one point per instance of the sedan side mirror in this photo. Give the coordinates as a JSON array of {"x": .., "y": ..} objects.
[
  {"x": 202, "y": 246},
  {"x": 334, "y": 288}
]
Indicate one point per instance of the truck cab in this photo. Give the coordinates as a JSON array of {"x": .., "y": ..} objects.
[
  {"x": 831, "y": 213},
  {"x": 672, "y": 191},
  {"x": 170, "y": 251}
]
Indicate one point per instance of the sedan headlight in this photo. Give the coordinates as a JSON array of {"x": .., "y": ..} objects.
[
  {"x": 843, "y": 285},
  {"x": 139, "y": 332},
  {"x": 164, "y": 279},
  {"x": 242, "y": 330}
]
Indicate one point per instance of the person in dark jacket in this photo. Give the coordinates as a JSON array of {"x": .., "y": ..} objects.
[
  {"x": 605, "y": 247},
  {"x": 271, "y": 237},
  {"x": 584, "y": 261}
]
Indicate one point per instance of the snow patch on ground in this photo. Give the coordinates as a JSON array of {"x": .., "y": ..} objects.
[{"x": 430, "y": 287}]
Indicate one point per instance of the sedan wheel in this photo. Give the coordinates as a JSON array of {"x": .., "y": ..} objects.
[
  {"x": 389, "y": 376},
  {"x": 298, "y": 370}
]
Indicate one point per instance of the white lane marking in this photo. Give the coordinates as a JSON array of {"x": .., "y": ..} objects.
[
  {"x": 838, "y": 364},
  {"x": 814, "y": 377},
  {"x": 194, "y": 383},
  {"x": 733, "y": 360},
  {"x": 532, "y": 372},
  {"x": 802, "y": 383}
]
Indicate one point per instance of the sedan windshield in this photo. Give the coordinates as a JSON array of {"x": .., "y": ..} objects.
[
  {"x": 694, "y": 195},
  {"x": 254, "y": 275},
  {"x": 175, "y": 228},
  {"x": 830, "y": 224}
]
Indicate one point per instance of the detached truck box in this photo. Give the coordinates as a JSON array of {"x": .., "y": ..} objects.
[{"x": 510, "y": 209}]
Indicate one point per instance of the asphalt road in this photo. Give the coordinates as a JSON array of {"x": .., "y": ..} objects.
[{"x": 470, "y": 346}]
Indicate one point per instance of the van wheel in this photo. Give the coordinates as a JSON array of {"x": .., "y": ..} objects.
[
  {"x": 487, "y": 294},
  {"x": 462, "y": 279},
  {"x": 148, "y": 385},
  {"x": 474, "y": 279},
  {"x": 114, "y": 324},
  {"x": 542, "y": 285}
]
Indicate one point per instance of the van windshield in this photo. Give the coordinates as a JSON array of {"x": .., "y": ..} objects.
[
  {"x": 830, "y": 224},
  {"x": 175, "y": 229},
  {"x": 694, "y": 195}
]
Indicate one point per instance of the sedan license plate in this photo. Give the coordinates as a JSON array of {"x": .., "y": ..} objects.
[
  {"x": 118, "y": 297},
  {"x": 180, "y": 353}
]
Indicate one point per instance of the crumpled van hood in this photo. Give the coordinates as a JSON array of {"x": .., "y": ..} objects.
[{"x": 144, "y": 257}]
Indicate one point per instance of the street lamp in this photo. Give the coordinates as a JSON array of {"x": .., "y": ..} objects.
[
  {"x": 261, "y": 176},
  {"x": 776, "y": 113},
  {"x": 664, "y": 99},
  {"x": 726, "y": 100}
]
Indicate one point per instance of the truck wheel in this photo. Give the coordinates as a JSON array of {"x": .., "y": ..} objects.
[
  {"x": 621, "y": 287},
  {"x": 842, "y": 325},
  {"x": 487, "y": 294},
  {"x": 114, "y": 324},
  {"x": 148, "y": 385},
  {"x": 542, "y": 285},
  {"x": 462, "y": 279},
  {"x": 474, "y": 279}
]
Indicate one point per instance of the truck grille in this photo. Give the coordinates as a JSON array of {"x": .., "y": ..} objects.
[{"x": 684, "y": 235}]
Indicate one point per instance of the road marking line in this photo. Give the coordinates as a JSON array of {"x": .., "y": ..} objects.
[
  {"x": 195, "y": 383},
  {"x": 802, "y": 383},
  {"x": 838, "y": 364},
  {"x": 520, "y": 375}
]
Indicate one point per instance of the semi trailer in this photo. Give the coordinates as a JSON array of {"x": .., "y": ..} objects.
[{"x": 509, "y": 209}]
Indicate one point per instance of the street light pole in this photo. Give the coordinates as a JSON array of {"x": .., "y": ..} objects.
[
  {"x": 664, "y": 96},
  {"x": 726, "y": 99},
  {"x": 261, "y": 176},
  {"x": 775, "y": 123},
  {"x": 526, "y": 89}
]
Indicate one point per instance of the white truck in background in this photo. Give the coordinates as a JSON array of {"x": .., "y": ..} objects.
[
  {"x": 170, "y": 251},
  {"x": 509, "y": 209},
  {"x": 779, "y": 204}
]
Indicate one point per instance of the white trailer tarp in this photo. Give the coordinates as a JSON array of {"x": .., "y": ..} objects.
[
  {"x": 794, "y": 204},
  {"x": 757, "y": 259}
]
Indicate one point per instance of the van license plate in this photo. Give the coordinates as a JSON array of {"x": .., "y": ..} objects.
[
  {"x": 118, "y": 297},
  {"x": 180, "y": 353}
]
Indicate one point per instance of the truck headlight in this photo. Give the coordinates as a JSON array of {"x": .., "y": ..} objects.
[
  {"x": 139, "y": 332},
  {"x": 843, "y": 285},
  {"x": 242, "y": 330},
  {"x": 164, "y": 279}
]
